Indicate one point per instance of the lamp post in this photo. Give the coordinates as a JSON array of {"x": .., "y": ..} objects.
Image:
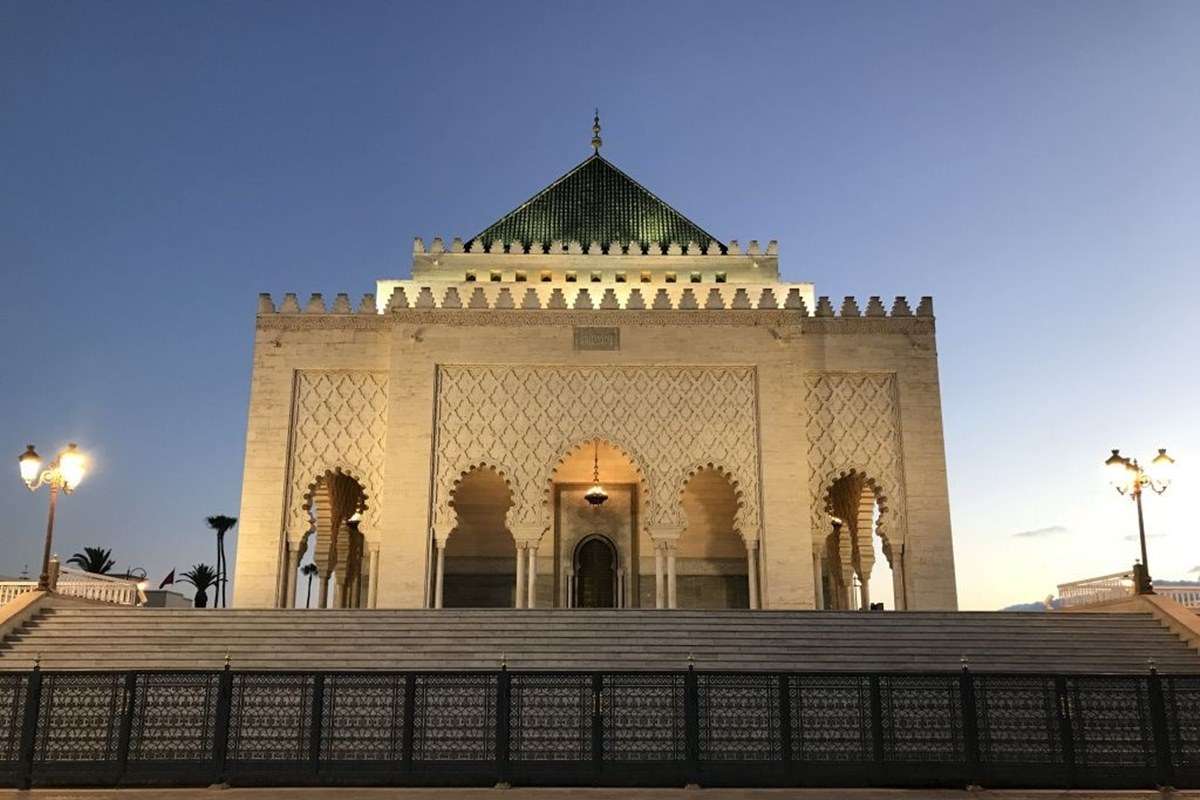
[
  {"x": 63, "y": 475},
  {"x": 1128, "y": 478}
]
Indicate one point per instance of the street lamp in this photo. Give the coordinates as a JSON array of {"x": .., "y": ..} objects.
[
  {"x": 1128, "y": 478},
  {"x": 64, "y": 474}
]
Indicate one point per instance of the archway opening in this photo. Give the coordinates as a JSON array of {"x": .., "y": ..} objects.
[
  {"x": 856, "y": 569},
  {"x": 616, "y": 520},
  {"x": 335, "y": 506},
  {"x": 595, "y": 573},
  {"x": 480, "y": 569},
  {"x": 710, "y": 558}
]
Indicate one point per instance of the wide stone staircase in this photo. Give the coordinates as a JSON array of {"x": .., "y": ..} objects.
[{"x": 95, "y": 637}]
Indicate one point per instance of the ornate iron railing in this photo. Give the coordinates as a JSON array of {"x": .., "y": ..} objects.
[{"x": 602, "y": 728}]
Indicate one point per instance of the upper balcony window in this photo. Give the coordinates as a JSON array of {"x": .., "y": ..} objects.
[
  {"x": 721, "y": 277},
  {"x": 470, "y": 278}
]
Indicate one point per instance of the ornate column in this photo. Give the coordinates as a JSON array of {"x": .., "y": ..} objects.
[
  {"x": 373, "y": 583},
  {"x": 671, "y": 595},
  {"x": 659, "y": 578},
  {"x": 818, "y": 581},
  {"x": 520, "y": 589},
  {"x": 439, "y": 580},
  {"x": 664, "y": 538},
  {"x": 531, "y": 575},
  {"x": 752, "y": 570},
  {"x": 898, "y": 577},
  {"x": 289, "y": 578}
]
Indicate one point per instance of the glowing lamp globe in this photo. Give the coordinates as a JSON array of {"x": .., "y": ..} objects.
[
  {"x": 1118, "y": 470},
  {"x": 72, "y": 466},
  {"x": 31, "y": 464},
  {"x": 1162, "y": 468}
]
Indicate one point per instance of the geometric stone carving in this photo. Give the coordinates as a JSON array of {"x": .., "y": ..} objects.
[
  {"x": 670, "y": 420},
  {"x": 340, "y": 424},
  {"x": 854, "y": 426}
]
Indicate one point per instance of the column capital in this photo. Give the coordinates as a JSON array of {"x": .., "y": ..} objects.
[
  {"x": 665, "y": 537},
  {"x": 441, "y": 532},
  {"x": 527, "y": 534}
]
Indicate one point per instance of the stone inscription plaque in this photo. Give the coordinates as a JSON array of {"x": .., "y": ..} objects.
[{"x": 597, "y": 338}]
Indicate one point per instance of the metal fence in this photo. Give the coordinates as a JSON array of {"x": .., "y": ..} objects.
[{"x": 598, "y": 728}]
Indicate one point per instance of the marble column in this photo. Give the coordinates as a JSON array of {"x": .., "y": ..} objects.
[
  {"x": 289, "y": 580},
  {"x": 373, "y": 582},
  {"x": 520, "y": 591},
  {"x": 818, "y": 582},
  {"x": 659, "y": 578},
  {"x": 440, "y": 580},
  {"x": 898, "y": 579},
  {"x": 752, "y": 571},
  {"x": 531, "y": 574},
  {"x": 671, "y": 595}
]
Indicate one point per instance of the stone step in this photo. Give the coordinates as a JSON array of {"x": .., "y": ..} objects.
[{"x": 298, "y": 639}]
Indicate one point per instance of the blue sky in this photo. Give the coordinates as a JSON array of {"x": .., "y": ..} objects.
[{"x": 1032, "y": 166}]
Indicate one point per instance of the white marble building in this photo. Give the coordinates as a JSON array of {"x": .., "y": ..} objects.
[{"x": 432, "y": 444}]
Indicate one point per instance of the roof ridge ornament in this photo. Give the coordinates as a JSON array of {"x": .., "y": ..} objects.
[{"x": 596, "y": 140}]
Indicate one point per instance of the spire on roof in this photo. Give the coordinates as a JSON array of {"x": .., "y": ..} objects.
[{"x": 596, "y": 140}]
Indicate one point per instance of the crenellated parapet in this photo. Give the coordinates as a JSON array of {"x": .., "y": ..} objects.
[
  {"x": 472, "y": 303},
  {"x": 605, "y": 262},
  {"x": 457, "y": 246}
]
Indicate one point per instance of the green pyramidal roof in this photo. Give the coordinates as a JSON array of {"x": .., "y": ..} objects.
[{"x": 595, "y": 202}]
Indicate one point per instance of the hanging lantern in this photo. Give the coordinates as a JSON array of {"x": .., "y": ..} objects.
[{"x": 596, "y": 494}]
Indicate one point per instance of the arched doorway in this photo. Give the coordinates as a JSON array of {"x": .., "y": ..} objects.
[{"x": 595, "y": 573}]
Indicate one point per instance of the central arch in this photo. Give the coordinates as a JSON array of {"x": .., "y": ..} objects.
[{"x": 575, "y": 522}]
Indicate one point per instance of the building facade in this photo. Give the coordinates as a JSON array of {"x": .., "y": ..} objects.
[{"x": 594, "y": 402}]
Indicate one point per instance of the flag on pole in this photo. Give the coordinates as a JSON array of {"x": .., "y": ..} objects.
[{"x": 170, "y": 579}]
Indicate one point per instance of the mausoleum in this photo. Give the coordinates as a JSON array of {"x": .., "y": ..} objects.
[{"x": 594, "y": 402}]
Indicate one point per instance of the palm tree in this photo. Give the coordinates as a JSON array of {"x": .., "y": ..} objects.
[
  {"x": 309, "y": 569},
  {"x": 221, "y": 524},
  {"x": 93, "y": 559},
  {"x": 201, "y": 576}
]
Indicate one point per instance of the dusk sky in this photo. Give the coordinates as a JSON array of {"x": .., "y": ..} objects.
[{"x": 1034, "y": 167}]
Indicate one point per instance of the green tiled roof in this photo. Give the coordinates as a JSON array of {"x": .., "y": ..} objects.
[{"x": 595, "y": 202}]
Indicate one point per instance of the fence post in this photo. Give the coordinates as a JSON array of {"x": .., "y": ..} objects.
[
  {"x": 410, "y": 713},
  {"x": 1066, "y": 732},
  {"x": 785, "y": 721},
  {"x": 970, "y": 720},
  {"x": 316, "y": 722},
  {"x": 1164, "y": 772},
  {"x": 877, "y": 726},
  {"x": 503, "y": 733},
  {"x": 126, "y": 725},
  {"x": 597, "y": 721},
  {"x": 222, "y": 721},
  {"x": 691, "y": 722},
  {"x": 33, "y": 700}
]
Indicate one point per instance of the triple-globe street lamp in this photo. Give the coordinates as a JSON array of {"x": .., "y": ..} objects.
[
  {"x": 1129, "y": 478},
  {"x": 64, "y": 475}
]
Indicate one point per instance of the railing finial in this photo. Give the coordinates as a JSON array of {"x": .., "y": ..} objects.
[
  {"x": 228, "y": 659},
  {"x": 1150, "y": 663},
  {"x": 962, "y": 660}
]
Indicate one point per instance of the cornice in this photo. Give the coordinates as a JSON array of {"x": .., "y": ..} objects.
[{"x": 762, "y": 318}]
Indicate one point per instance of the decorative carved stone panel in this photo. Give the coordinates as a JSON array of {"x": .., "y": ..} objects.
[
  {"x": 854, "y": 425},
  {"x": 339, "y": 423},
  {"x": 523, "y": 419}
]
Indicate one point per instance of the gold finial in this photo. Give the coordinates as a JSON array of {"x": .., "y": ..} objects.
[{"x": 596, "y": 140}]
